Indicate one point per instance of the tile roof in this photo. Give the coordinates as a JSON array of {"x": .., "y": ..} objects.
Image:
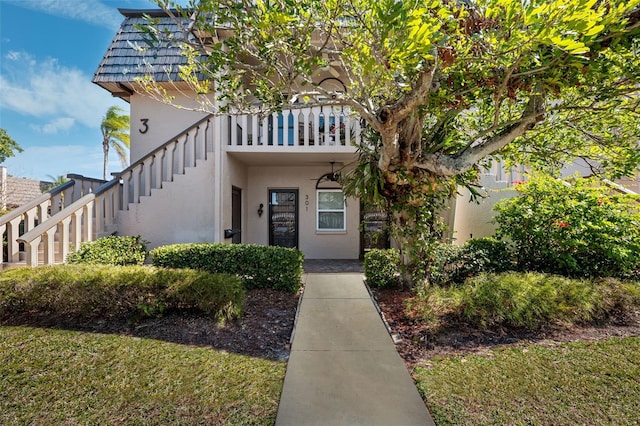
[
  {"x": 129, "y": 56},
  {"x": 20, "y": 191}
]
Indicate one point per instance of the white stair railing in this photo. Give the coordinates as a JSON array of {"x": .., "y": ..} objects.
[
  {"x": 503, "y": 175},
  {"x": 166, "y": 161},
  {"x": 86, "y": 219},
  {"x": 26, "y": 217},
  {"x": 93, "y": 213}
]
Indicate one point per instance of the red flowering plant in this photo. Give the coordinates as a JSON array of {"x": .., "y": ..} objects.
[{"x": 579, "y": 229}]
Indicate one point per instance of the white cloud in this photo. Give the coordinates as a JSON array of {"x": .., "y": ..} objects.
[
  {"x": 47, "y": 90},
  {"x": 89, "y": 11},
  {"x": 52, "y": 127}
]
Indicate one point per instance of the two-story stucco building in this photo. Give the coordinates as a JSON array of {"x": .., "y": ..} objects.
[{"x": 250, "y": 179}]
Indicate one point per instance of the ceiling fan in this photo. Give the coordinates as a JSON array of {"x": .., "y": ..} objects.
[{"x": 332, "y": 176}]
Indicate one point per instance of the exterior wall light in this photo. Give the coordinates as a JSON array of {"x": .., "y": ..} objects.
[{"x": 260, "y": 210}]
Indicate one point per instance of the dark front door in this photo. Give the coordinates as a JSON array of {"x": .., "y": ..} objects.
[
  {"x": 236, "y": 215},
  {"x": 283, "y": 217},
  {"x": 374, "y": 232}
]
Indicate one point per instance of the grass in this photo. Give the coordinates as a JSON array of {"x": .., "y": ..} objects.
[
  {"x": 575, "y": 383},
  {"x": 50, "y": 376}
]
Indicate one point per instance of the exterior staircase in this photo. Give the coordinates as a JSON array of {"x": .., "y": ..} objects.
[{"x": 45, "y": 230}]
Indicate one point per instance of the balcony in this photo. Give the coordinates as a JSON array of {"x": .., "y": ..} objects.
[{"x": 294, "y": 136}]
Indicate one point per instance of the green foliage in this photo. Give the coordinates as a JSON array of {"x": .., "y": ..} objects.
[
  {"x": 576, "y": 230},
  {"x": 450, "y": 264},
  {"x": 382, "y": 267},
  {"x": 111, "y": 250},
  {"x": 115, "y": 129},
  {"x": 527, "y": 300},
  {"x": 102, "y": 291},
  {"x": 441, "y": 85},
  {"x": 257, "y": 266},
  {"x": 207, "y": 292},
  {"x": 56, "y": 181},
  {"x": 8, "y": 147},
  {"x": 498, "y": 254}
]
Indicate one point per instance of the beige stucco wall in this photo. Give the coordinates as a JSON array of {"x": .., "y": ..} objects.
[
  {"x": 474, "y": 220},
  {"x": 176, "y": 213},
  {"x": 234, "y": 175},
  {"x": 163, "y": 122},
  {"x": 314, "y": 245}
]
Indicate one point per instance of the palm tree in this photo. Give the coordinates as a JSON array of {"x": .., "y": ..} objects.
[
  {"x": 56, "y": 181},
  {"x": 115, "y": 134}
]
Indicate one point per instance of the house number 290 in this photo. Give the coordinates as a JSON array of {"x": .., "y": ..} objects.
[{"x": 145, "y": 126}]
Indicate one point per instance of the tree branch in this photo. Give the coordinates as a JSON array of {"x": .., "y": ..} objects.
[
  {"x": 451, "y": 165},
  {"x": 394, "y": 114}
]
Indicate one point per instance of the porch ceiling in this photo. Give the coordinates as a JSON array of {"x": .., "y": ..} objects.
[{"x": 293, "y": 158}]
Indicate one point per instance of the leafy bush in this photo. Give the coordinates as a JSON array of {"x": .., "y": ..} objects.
[
  {"x": 527, "y": 300},
  {"x": 102, "y": 291},
  {"x": 498, "y": 254},
  {"x": 576, "y": 230},
  {"x": 111, "y": 250},
  {"x": 257, "y": 266},
  {"x": 382, "y": 267},
  {"x": 450, "y": 264}
]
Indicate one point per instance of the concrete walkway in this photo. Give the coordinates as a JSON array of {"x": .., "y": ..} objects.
[{"x": 343, "y": 368}]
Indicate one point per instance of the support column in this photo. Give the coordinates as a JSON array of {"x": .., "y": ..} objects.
[{"x": 218, "y": 174}]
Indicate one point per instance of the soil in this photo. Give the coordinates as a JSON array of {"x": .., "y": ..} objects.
[
  {"x": 417, "y": 344},
  {"x": 263, "y": 331}
]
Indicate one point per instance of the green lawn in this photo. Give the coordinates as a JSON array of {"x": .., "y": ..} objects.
[
  {"x": 596, "y": 383},
  {"x": 67, "y": 377}
]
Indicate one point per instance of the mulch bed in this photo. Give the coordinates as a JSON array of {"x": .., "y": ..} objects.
[
  {"x": 416, "y": 343},
  {"x": 263, "y": 331}
]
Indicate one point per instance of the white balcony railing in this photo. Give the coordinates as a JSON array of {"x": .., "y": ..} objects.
[{"x": 328, "y": 127}]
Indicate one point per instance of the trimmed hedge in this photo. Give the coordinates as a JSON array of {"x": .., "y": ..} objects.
[
  {"x": 128, "y": 292},
  {"x": 111, "y": 250},
  {"x": 257, "y": 266},
  {"x": 382, "y": 267}
]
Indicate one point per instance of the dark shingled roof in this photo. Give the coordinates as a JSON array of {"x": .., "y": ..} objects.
[{"x": 130, "y": 57}]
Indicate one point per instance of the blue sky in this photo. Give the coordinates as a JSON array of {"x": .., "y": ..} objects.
[{"x": 49, "y": 50}]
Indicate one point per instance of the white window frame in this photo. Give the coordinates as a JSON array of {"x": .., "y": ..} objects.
[{"x": 343, "y": 210}]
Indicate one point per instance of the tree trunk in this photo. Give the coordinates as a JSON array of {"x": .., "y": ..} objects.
[{"x": 105, "y": 151}]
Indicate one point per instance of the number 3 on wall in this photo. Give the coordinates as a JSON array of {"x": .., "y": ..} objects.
[{"x": 145, "y": 126}]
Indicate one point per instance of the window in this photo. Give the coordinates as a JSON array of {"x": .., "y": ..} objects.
[{"x": 331, "y": 210}]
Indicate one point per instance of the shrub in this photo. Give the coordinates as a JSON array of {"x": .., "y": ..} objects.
[
  {"x": 577, "y": 230},
  {"x": 221, "y": 295},
  {"x": 111, "y": 250},
  {"x": 382, "y": 267},
  {"x": 102, "y": 291},
  {"x": 526, "y": 300},
  {"x": 446, "y": 264},
  {"x": 450, "y": 264},
  {"x": 498, "y": 254},
  {"x": 257, "y": 266}
]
